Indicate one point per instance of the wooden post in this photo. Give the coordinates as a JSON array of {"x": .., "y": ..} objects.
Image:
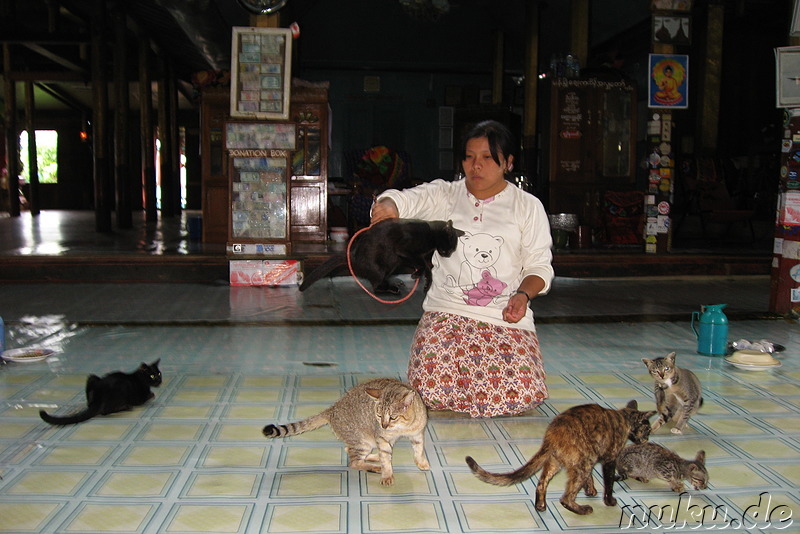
[
  {"x": 146, "y": 130},
  {"x": 498, "y": 68},
  {"x": 174, "y": 138},
  {"x": 579, "y": 30},
  {"x": 121, "y": 121},
  {"x": 712, "y": 73},
  {"x": 33, "y": 163},
  {"x": 656, "y": 240},
  {"x": 12, "y": 135},
  {"x": 103, "y": 198},
  {"x": 529, "y": 163},
  {"x": 170, "y": 181},
  {"x": 272, "y": 20}
]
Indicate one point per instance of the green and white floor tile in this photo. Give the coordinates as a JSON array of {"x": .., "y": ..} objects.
[{"x": 194, "y": 459}]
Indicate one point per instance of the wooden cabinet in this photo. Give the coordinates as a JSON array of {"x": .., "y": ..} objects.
[
  {"x": 592, "y": 141},
  {"x": 214, "y": 106},
  {"x": 309, "y": 180},
  {"x": 308, "y": 191}
]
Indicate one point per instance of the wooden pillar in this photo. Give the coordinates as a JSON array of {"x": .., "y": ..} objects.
[
  {"x": 656, "y": 240},
  {"x": 167, "y": 138},
  {"x": 52, "y": 16},
  {"x": 579, "y": 30},
  {"x": 529, "y": 163},
  {"x": 12, "y": 137},
  {"x": 174, "y": 137},
  {"x": 33, "y": 162},
  {"x": 147, "y": 133},
  {"x": 272, "y": 20},
  {"x": 498, "y": 68},
  {"x": 121, "y": 121},
  {"x": 103, "y": 197},
  {"x": 712, "y": 73}
]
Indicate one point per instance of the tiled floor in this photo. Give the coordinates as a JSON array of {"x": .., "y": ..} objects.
[{"x": 194, "y": 460}]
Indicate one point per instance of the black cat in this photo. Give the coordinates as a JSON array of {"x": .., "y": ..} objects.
[
  {"x": 115, "y": 392},
  {"x": 388, "y": 247}
]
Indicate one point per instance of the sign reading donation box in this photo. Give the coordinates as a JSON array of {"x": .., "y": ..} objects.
[
  {"x": 261, "y": 73},
  {"x": 258, "y": 162}
]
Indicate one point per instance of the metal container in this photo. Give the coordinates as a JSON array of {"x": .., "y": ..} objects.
[{"x": 563, "y": 221}]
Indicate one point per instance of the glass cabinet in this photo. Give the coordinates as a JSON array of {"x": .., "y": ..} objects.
[
  {"x": 309, "y": 168},
  {"x": 592, "y": 140}
]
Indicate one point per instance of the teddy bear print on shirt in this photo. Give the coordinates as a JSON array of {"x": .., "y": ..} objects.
[
  {"x": 477, "y": 275},
  {"x": 485, "y": 290}
]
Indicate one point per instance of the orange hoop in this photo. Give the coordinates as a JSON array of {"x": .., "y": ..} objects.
[{"x": 370, "y": 293}]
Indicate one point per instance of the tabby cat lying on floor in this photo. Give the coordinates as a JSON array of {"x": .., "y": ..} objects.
[
  {"x": 114, "y": 392},
  {"x": 371, "y": 415},
  {"x": 650, "y": 460},
  {"x": 389, "y": 246},
  {"x": 677, "y": 390},
  {"x": 575, "y": 440}
]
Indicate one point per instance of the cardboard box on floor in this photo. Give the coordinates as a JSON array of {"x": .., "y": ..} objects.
[{"x": 271, "y": 273}]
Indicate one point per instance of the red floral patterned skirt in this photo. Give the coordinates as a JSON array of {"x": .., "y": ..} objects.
[{"x": 471, "y": 366}]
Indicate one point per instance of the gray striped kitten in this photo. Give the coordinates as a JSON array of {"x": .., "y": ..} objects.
[
  {"x": 371, "y": 415},
  {"x": 644, "y": 461},
  {"x": 678, "y": 393}
]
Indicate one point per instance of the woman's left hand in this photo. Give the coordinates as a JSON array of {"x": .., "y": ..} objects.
[{"x": 516, "y": 308}]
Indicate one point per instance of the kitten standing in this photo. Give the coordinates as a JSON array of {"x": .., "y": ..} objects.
[
  {"x": 371, "y": 415},
  {"x": 575, "y": 440},
  {"x": 114, "y": 392},
  {"x": 650, "y": 460},
  {"x": 678, "y": 393}
]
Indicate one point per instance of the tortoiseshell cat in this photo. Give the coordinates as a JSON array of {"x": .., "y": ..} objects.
[
  {"x": 371, "y": 415},
  {"x": 651, "y": 460},
  {"x": 575, "y": 440},
  {"x": 677, "y": 390},
  {"x": 114, "y": 392},
  {"x": 388, "y": 247}
]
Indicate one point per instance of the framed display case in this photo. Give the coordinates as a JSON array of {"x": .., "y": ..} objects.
[
  {"x": 259, "y": 161},
  {"x": 261, "y": 72},
  {"x": 592, "y": 141},
  {"x": 309, "y": 176}
]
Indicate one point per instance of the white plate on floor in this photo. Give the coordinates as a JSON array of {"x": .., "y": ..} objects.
[
  {"x": 750, "y": 367},
  {"x": 26, "y": 355}
]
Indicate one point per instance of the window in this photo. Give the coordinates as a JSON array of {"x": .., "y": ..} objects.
[{"x": 46, "y": 156}]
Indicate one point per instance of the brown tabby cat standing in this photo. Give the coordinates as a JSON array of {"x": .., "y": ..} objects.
[
  {"x": 575, "y": 440},
  {"x": 678, "y": 393},
  {"x": 371, "y": 415},
  {"x": 651, "y": 460}
]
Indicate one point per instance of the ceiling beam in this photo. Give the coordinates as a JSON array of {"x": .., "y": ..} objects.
[
  {"x": 46, "y": 76},
  {"x": 63, "y": 97},
  {"x": 13, "y": 38},
  {"x": 56, "y": 58}
]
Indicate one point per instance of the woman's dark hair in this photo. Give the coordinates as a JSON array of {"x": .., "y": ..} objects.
[{"x": 501, "y": 140}]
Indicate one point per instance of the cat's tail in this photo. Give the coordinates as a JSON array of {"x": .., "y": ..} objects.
[
  {"x": 72, "y": 419},
  {"x": 292, "y": 429},
  {"x": 330, "y": 266},
  {"x": 506, "y": 479}
]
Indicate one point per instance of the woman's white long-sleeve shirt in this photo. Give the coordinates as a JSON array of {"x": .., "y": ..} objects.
[{"x": 507, "y": 237}]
